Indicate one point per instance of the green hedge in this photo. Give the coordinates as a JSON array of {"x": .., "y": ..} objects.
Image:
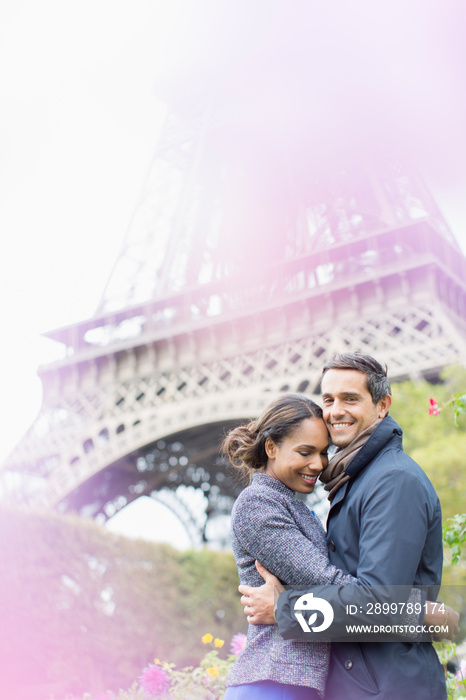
[{"x": 85, "y": 610}]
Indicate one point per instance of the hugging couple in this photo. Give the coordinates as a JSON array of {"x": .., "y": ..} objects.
[{"x": 384, "y": 530}]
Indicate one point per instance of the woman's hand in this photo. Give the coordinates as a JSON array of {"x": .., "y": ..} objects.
[
  {"x": 259, "y": 602},
  {"x": 441, "y": 615}
]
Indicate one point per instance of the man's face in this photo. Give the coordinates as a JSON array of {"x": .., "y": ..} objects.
[{"x": 347, "y": 405}]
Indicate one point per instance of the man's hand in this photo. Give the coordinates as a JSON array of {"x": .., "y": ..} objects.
[{"x": 259, "y": 602}]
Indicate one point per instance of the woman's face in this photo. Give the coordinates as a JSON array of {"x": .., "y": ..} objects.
[{"x": 298, "y": 460}]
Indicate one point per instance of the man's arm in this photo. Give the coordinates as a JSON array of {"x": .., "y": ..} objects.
[
  {"x": 390, "y": 549},
  {"x": 260, "y": 603},
  {"x": 394, "y": 523}
]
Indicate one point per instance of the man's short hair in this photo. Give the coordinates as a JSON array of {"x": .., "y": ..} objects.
[{"x": 376, "y": 375}]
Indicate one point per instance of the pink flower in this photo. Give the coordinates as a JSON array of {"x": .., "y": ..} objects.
[
  {"x": 433, "y": 408},
  {"x": 238, "y": 643},
  {"x": 460, "y": 675},
  {"x": 154, "y": 680}
]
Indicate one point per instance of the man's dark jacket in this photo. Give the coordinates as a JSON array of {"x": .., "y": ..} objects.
[{"x": 384, "y": 527}]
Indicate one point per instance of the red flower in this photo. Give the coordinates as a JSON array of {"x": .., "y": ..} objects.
[
  {"x": 433, "y": 408},
  {"x": 154, "y": 680}
]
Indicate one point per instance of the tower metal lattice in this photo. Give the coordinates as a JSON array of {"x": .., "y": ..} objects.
[{"x": 248, "y": 263}]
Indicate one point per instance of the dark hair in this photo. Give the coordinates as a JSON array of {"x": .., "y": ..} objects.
[
  {"x": 376, "y": 375},
  {"x": 245, "y": 445}
]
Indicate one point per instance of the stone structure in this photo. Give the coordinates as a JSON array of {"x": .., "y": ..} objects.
[{"x": 246, "y": 266}]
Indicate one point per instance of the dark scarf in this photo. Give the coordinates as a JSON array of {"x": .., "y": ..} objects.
[{"x": 334, "y": 475}]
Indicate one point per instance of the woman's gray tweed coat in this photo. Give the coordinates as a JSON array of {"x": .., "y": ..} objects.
[{"x": 273, "y": 526}]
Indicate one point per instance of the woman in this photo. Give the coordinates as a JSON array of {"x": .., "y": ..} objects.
[{"x": 284, "y": 451}]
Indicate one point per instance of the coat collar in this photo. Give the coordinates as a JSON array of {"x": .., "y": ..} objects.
[
  {"x": 260, "y": 479},
  {"x": 382, "y": 435},
  {"x": 387, "y": 431}
]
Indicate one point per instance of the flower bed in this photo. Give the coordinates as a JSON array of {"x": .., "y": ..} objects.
[{"x": 161, "y": 679}]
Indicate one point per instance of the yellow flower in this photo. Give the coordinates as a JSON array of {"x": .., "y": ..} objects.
[
  {"x": 213, "y": 671},
  {"x": 207, "y": 638},
  {"x": 219, "y": 642},
  {"x": 157, "y": 661}
]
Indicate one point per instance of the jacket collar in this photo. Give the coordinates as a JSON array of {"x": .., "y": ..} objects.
[
  {"x": 382, "y": 435},
  {"x": 261, "y": 479},
  {"x": 387, "y": 431}
]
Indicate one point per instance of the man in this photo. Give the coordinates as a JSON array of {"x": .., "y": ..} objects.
[{"x": 384, "y": 527}]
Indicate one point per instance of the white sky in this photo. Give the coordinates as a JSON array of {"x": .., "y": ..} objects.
[{"x": 79, "y": 122}]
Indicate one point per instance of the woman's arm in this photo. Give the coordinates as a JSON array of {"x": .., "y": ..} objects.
[
  {"x": 268, "y": 531},
  {"x": 441, "y": 616}
]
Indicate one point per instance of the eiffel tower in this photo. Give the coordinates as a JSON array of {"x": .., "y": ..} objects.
[{"x": 248, "y": 263}]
